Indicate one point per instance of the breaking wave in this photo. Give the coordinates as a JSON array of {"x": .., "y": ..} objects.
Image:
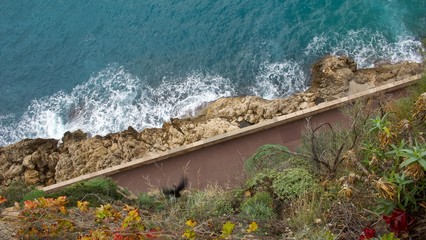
[
  {"x": 367, "y": 48},
  {"x": 113, "y": 100}
]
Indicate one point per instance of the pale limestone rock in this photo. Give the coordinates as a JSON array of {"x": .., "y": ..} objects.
[
  {"x": 28, "y": 163},
  {"x": 32, "y": 177},
  {"x": 304, "y": 105},
  {"x": 14, "y": 171}
]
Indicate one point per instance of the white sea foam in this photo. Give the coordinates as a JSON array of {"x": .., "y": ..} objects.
[
  {"x": 279, "y": 80},
  {"x": 113, "y": 100},
  {"x": 367, "y": 48}
]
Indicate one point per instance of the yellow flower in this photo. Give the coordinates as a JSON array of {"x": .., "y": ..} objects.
[
  {"x": 63, "y": 210},
  {"x": 191, "y": 223},
  {"x": 227, "y": 229},
  {"x": 252, "y": 227},
  {"x": 83, "y": 206},
  {"x": 189, "y": 234}
]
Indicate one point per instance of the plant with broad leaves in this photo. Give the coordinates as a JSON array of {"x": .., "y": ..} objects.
[
  {"x": 252, "y": 227},
  {"x": 45, "y": 217},
  {"x": 408, "y": 193},
  {"x": 389, "y": 236},
  {"x": 189, "y": 233},
  {"x": 379, "y": 123},
  {"x": 381, "y": 126},
  {"x": 415, "y": 154},
  {"x": 105, "y": 213},
  {"x": 399, "y": 222},
  {"x": 367, "y": 233},
  {"x": 227, "y": 229},
  {"x": 83, "y": 206}
]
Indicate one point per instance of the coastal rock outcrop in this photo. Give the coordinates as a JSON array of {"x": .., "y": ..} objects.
[
  {"x": 30, "y": 160},
  {"x": 332, "y": 76},
  {"x": 45, "y": 161}
]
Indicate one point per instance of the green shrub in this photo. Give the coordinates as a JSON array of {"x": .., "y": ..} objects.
[
  {"x": 34, "y": 194},
  {"x": 211, "y": 202},
  {"x": 146, "y": 201},
  {"x": 14, "y": 192},
  {"x": 292, "y": 183},
  {"x": 258, "y": 207},
  {"x": 268, "y": 156},
  {"x": 97, "y": 191},
  {"x": 262, "y": 181},
  {"x": 272, "y": 156},
  {"x": 288, "y": 184},
  {"x": 151, "y": 202}
]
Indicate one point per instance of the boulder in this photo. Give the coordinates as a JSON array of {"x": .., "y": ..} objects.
[
  {"x": 28, "y": 154},
  {"x": 331, "y": 76},
  {"x": 385, "y": 72},
  {"x": 32, "y": 177}
]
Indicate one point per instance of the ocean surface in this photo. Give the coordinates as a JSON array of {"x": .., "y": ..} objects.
[{"x": 104, "y": 65}]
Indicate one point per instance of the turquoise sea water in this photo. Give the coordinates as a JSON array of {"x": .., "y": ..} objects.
[{"x": 104, "y": 65}]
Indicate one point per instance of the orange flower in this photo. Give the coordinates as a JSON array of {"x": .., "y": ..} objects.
[
  {"x": 30, "y": 204},
  {"x": 3, "y": 199}
]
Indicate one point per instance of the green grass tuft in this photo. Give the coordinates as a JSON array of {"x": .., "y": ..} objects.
[
  {"x": 258, "y": 207},
  {"x": 97, "y": 191}
]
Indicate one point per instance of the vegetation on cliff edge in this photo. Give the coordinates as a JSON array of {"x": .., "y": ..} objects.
[{"x": 363, "y": 180}]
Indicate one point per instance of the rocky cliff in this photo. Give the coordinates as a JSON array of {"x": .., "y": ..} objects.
[{"x": 46, "y": 161}]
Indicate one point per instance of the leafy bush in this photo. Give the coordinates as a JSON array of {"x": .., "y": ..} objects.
[
  {"x": 149, "y": 202},
  {"x": 14, "y": 192},
  {"x": 34, "y": 194},
  {"x": 212, "y": 202},
  {"x": 286, "y": 185},
  {"x": 262, "y": 181},
  {"x": 402, "y": 191},
  {"x": 292, "y": 183},
  {"x": 271, "y": 156},
  {"x": 259, "y": 207}
]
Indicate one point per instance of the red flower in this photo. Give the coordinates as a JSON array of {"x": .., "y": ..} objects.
[
  {"x": 118, "y": 236},
  {"x": 367, "y": 233},
  {"x": 399, "y": 221}
]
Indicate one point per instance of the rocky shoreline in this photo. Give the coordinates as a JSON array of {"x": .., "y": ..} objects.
[{"x": 47, "y": 161}]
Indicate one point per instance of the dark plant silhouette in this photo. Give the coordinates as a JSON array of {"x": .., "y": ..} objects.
[{"x": 176, "y": 189}]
